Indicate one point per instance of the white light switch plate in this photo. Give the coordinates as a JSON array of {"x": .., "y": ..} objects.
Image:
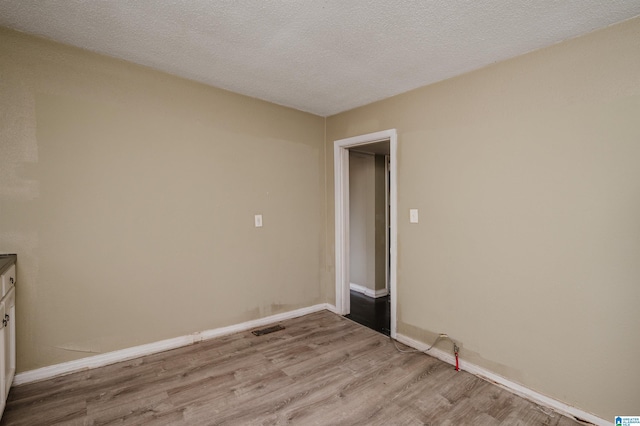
[
  {"x": 413, "y": 215},
  {"x": 258, "y": 220}
]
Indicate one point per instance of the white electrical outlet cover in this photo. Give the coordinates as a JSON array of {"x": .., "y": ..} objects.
[{"x": 258, "y": 220}]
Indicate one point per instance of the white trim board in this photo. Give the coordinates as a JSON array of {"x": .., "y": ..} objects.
[
  {"x": 367, "y": 291},
  {"x": 155, "y": 347},
  {"x": 507, "y": 384}
]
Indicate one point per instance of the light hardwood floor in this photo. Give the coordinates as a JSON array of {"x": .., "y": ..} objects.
[{"x": 322, "y": 369}]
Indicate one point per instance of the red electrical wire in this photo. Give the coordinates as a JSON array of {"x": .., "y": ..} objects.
[{"x": 457, "y": 364}]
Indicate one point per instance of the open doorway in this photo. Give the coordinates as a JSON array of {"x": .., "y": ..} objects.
[
  {"x": 368, "y": 236},
  {"x": 366, "y": 253}
]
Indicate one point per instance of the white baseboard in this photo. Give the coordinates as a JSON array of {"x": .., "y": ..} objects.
[
  {"x": 367, "y": 291},
  {"x": 331, "y": 308},
  {"x": 155, "y": 347},
  {"x": 507, "y": 384}
]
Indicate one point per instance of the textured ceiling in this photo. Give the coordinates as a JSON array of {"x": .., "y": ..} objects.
[{"x": 320, "y": 56}]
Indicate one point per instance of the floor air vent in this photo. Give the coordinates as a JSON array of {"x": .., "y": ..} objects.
[{"x": 268, "y": 330}]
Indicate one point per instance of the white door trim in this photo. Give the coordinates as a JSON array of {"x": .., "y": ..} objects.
[
  {"x": 387, "y": 219},
  {"x": 341, "y": 180}
]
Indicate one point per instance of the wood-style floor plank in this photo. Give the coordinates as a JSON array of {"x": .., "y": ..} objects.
[{"x": 321, "y": 369}]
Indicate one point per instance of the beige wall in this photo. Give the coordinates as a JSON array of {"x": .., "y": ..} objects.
[
  {"x": 527, "y": 177},
  {"x": 129, "y": 197}
]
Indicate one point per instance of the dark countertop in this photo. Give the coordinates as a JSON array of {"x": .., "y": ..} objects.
[{"x": 6, "y": 260}]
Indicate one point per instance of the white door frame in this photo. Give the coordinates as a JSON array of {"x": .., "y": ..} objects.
[
  {"x": 341, "y": 179},
  {"x": 387, "y": 221}
]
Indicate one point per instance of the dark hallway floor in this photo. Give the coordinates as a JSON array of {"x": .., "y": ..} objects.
[{"x": 374, "y": 313}]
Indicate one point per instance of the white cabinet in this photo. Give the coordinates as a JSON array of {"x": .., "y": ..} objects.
[
  {"x": 9, "y": 339},
  {"x": 7, "y": 334},
  {"x": 3, "y": 383}
]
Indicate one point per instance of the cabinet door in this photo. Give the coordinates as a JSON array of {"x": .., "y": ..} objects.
[
  {"x": 9, "y": 339},
  {"x": 3, "y": 345}
]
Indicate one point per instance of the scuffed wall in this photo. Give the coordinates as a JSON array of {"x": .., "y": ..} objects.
[{"x": 129, "y": 196}]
